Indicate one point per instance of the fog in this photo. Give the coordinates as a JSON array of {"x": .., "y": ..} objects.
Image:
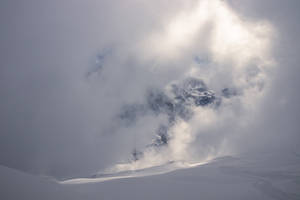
[{"x": 69, "y": 68}]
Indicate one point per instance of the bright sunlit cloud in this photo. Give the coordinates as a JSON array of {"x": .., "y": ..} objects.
[{"x": 237, "y": 54}]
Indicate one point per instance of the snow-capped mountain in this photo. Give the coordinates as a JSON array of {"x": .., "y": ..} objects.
[{"x": 177, "y": 102}]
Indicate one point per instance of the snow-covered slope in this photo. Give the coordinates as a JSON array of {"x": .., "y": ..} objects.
[{"x": 245, "y": 177}]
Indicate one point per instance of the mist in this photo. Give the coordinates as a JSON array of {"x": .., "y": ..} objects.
[{"x": 69, "y": 72}]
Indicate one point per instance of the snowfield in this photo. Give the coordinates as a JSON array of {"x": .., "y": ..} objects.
[{"x": 245, "y": 177}]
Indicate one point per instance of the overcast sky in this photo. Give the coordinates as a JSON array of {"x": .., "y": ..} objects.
[{"x": 67, "y": 68}]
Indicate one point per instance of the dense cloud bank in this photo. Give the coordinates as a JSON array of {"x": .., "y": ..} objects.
[{"x": 90, "y": 85}]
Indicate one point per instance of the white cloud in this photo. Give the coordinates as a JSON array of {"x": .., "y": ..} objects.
[{"x": 236, "y": 53}]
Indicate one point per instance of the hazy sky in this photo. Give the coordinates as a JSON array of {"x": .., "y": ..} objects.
[{"x": 68, "y": 67}]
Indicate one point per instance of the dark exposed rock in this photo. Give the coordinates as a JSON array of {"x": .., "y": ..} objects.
[
  {"x": 191, "y": 92},
  {"x": 130, "y": 113},
  {"x": 204, "y": 98},
  {"x": 182, "y": 112},
  {"x": 162, "y": 137},
  {"x": 136, "y": 155},
  {"x": 158, "y": 102},
  {"x": 228, "y": 92}
]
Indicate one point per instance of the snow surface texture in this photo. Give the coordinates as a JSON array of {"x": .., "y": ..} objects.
[{"x": 266, "y": 176}]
